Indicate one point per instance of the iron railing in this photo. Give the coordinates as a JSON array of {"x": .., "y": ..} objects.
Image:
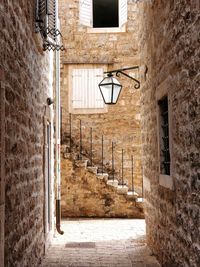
[{"x": 91, "y": 156}]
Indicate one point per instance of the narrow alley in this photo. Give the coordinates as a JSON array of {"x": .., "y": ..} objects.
[
  {"x": 101, "y": 243},
  {"x": 100, "y": 133}
]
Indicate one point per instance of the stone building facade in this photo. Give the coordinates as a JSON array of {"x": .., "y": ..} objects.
[
  {"x": 88, "y": 48},
  {"x": 162, "y": 37},
  {"x": 169, "y": 43},
  {"x": 25, "y": 84}
]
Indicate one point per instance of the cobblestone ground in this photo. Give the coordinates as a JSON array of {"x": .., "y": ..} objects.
[{"x": 100, "y": 243}]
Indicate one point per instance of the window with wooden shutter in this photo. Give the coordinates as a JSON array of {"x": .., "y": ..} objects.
[
  {"x": 85, "y": 91},
  {"x": 46, "y": 18},
  {"x": 103, "y": 14},
  {"x": 47, "y": 24}
]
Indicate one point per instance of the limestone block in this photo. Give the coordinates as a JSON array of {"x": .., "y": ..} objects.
[
  {"x": 81, "y": 163},
  {"x": 92, "y": 169},
  {"x": 103, "y": 176},
  {"x": 113, "y": 183},
  {"x": 122, "y": 189},
  {"x": 132, "y": 195}
]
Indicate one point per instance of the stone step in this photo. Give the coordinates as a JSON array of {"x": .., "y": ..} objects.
[
  {"x": 113, "y": 183},
  {"x": 66, "y": 155},
  {"x": 132, "y": 195},
  {"x": 102, "y": 176},
  {"x": 81, "y": 163},
  {"x": 140, "y": 200},
  {"x": 140, "y": 203},
  {"x": 122, "y": 189},
  {"x": 92, "y": 169}
]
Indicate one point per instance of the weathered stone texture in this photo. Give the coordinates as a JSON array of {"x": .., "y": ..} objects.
[
  {"x": 85, "y": 194},
  {"x": 169, "y": 38},
  {"x": 121, "y": 123},
  {"x": 26, "y": 82}
]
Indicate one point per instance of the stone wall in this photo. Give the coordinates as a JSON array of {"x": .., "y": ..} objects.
[
  {"x": 169, "y": 39},
  {"x": 26, "y": 72},
  {"x": 86, "y": 194},
  {"x": 121, "y": 122}
]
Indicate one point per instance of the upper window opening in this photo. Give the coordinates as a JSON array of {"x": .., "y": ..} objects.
[{"x": 105, "y": 13}]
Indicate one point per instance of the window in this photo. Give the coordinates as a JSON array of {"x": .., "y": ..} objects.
[
  {"x": 109, "y": 14},
  {"x": 46, "y": 23},
  {"x": 105, "y": 13},
  {"x": 164, "y": 136},
  {"x": 46, "y": 18},
  {"x": 85, "y": 96}
]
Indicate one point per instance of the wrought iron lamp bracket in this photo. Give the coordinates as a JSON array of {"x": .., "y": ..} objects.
[{"x": 121, "y": 71}]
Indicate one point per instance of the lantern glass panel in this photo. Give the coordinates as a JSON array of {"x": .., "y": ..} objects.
[
  {"x": 106, "y": 91},
  {"x": 110, "y": 89},
  {"x": 116, "y": 92}
]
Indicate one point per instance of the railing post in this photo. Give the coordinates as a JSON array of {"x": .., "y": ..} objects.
[
  {"x": 91, "y": 147},
  {"x": 70, "y": 132},
  {"x": 122, "y": 167},
  {"x": 113, "y": 174},
  {"x": 102, "y": 153},
  {"x": 132, "y": 174},
  {"x": 80, "y": 147}
]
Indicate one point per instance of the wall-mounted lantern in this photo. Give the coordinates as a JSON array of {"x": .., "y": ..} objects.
[{"x": 110, "y": 87}]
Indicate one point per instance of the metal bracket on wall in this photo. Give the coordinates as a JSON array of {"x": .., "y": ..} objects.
[{"x": 122, "y": 71}]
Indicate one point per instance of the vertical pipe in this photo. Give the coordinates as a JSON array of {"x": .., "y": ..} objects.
[
  {"x": 91, "y": 147},
  {"x": 122, "y": 167},
  {"x": 102, "y": 153},
  {"x": 132, "y": 174},
  {"x": 113, "y": 161},
  {"x": 80, "y": 147},
  {"x": 142, "y": 181},
  {"x": 57, "y": 117},
  {"x": 70, "y": 132},
  {"x": 61, "y": 128}
]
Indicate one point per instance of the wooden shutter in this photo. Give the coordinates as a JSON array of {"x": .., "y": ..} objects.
[
  {"x": 85, "y": 12},
  {"x": 122, "y": 12},
  {"x": 79, "y": 86},
  {"x": 95, "y": 76},
  {"x": 85, "y": 90},
  {"x": 46, "y": 18},
  {"x": 51, "y": 13}
]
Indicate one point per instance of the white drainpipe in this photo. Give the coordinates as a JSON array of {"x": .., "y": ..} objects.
[{"x": 57, "y": 77}]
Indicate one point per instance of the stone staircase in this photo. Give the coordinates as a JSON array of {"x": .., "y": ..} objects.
[{"x": 124, "y": 203}]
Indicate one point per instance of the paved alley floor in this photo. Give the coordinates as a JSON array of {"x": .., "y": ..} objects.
[{"x": 100, "y": 243}]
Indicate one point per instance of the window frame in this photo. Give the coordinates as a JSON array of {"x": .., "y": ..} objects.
[
  {"x": 164, "y": 134},
  {"x": 162, "y": 91},
  {"x": 70, "y": 88},
  {"x": 91, "y": 29}
]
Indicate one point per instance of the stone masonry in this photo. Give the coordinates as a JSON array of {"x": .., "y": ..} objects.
[
  {"x": 25, "y": 78},
  {"x": 169, "y": 41},
  {"x": 88, "y": 194},
  {"x": 121, "y": 122}
]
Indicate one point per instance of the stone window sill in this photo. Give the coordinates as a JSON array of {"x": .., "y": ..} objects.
[
  {"x": 166, "y": 181},
  {"x": 107, "y": 30},
  {"x": 88, "y": 111}
]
